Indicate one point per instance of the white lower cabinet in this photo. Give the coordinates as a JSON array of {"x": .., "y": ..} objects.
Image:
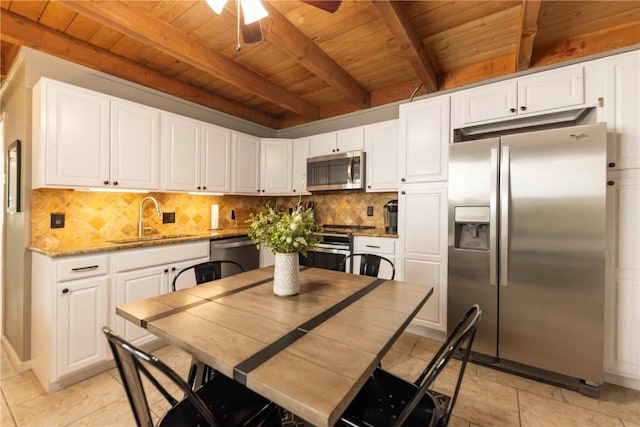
[
  {"x": 422, "y": 247},
  {"x": 74, "y": 297},
  {"x": 622, "y": 288},
  {"x": 382, "y": 246}
]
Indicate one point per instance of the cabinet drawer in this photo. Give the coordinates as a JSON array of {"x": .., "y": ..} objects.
[
  {"x": 81, "y": 268},
  {"x": 167, "y": 254},
  {"x": 379, "y": 245}
]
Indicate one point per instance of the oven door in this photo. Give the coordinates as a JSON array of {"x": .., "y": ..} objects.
[{"x": 327, "y": 257}]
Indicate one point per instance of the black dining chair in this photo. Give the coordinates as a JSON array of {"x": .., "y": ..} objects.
[
  {"x": 205, "y": 272},
  {"x": 220, "y": 402},
  {"x": 387, "y": 400},
  {"x": 369, "y": 264},
  {"x": 208, "y": 271}
]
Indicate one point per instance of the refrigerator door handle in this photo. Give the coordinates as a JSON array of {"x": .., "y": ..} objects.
[
  {"x": 493, "y": 223},
  {"x": 504, "y": 216}
]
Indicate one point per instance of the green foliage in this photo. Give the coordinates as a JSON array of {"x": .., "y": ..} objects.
[{"x": 283, "y": 232}]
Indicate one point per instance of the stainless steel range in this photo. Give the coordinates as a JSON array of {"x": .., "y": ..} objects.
[{"x": 337, "y": 244}]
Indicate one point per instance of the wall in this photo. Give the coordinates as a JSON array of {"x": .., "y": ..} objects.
[
  {"x": 15, "y": 104},
  {"x": 93, "y": 217}
]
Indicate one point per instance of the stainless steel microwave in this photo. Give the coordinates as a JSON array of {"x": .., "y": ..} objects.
[{"x": 343, "y": 171}]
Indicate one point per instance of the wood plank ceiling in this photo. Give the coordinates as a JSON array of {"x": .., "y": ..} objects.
[{"x": 314, "y": 64}]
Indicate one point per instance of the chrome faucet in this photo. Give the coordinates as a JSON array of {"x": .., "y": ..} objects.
[{"x": 141, "y": 227}]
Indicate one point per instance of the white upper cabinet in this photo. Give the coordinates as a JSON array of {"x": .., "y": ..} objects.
[
  {"x": 381, "y": 146},
  {"x": 70, "y": 135},
  {"x": 135, "y": 147},
  {"x": 620, "y": 91},
  {"x": 424, "y": 140},
  {"x": 276, "y": 162},
  {"x": 548, "y": 91},
  {"x": 246, "y": 164},
  {"x": 87, "y": 139},
  {"x": 299, "y": 171},
  {"x": 197, "y": 155},
  {"x": 336, "y": 142},
  {"x": 215, "y": 162}
]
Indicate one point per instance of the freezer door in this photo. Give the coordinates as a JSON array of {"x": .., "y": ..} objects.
[
  {"x": 473, "y": 172},
  {"x": 552, "y": 246}
]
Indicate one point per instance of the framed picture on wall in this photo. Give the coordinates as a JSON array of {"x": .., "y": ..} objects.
[{"x": 14, "y": 163}]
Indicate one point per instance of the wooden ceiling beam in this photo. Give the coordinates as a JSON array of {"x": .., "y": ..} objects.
[
  {"x": 131, "y": 19},
  {"x": 19, "y": 30},
  {"x": 528, "y": 28},
  {"x": 396, "y": 18},
  {"x": 287, "y": 37}
]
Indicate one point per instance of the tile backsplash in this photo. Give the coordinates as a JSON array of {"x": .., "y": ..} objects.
[{"x": 98, "y": 216}]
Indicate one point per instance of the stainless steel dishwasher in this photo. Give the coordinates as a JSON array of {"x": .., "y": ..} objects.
[{"x": 239, "y": 249}]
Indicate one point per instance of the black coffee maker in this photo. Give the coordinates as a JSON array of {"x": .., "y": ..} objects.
[{"x": 390, "y": 211}]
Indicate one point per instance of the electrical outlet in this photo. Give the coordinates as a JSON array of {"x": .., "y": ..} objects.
[
  {"x": 168, "y": 217},
  {"x": 369, "y": 210},
  {"x": 57, "y": 220}
]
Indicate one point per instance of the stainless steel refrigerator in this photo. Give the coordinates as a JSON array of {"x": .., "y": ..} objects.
[{"x": 527, "y": 243}]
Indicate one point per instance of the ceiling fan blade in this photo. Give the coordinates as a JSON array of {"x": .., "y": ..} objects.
[
  {"x": 326, "y": 5},
  {"x": 252, "y": 33}
]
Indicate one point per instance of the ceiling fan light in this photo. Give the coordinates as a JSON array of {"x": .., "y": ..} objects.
[
  {"x": 253, "y": 11},
  {"x": 216, "y": 5}
]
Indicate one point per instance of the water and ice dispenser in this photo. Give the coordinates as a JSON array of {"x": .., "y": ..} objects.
[{"x": 472, "y": 227}]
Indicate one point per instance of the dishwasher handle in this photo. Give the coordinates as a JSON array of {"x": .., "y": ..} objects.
[{"x": 237, "y": 244}]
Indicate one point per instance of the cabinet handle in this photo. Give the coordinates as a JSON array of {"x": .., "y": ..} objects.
[
  {"x": 263, "y": 191},
  {"x": 115, "y": 182},
  {"x": 523, "y": 108},
  {"x": 294, "y": 190},
  {"x": 105, "y": 182},
  {"x": 373, "y": 246},
  {"x": 166, "y": 270},
  {"x": 173, "y": 269},
  {"x": 81, "y": 269},
  {"x": 368, "y": 186},
  {"x": 403, "y": 192},
  {"x": 198, "y": 187},
  {"x": 513, "y": 110},
  {"x": 611, "y": 182},
  {"x": 65, "y": 291},
  {"x": 403, "y": 179},
  {"x": 204, "y": 188},
  {"x": 337, "y": 149},
  {"x": 612, "y": 165}
]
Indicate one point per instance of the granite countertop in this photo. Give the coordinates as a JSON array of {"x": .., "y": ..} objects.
[{"x": 61, "y": 249}]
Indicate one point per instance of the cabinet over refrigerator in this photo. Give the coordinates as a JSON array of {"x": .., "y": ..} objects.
[{"x": 527, "y": 243}]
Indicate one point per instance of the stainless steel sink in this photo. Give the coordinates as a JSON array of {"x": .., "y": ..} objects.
[{"x": 149, "y": 238}]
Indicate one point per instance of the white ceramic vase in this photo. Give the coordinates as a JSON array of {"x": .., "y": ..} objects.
[{"x": 285, "y": 276}]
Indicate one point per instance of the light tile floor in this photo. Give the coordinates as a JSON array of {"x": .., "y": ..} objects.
[{"x": 487, "y": 397}]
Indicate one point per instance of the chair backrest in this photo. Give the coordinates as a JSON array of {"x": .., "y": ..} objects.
[
  {"x": 460, "y": 340},
  {"x": 131, "y": 363},
  {"x": 369, "y": 264},
  {"x": 208, "y": 271}
]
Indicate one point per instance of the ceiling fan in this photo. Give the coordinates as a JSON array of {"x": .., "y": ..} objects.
[{"x": 250, "y": 12}]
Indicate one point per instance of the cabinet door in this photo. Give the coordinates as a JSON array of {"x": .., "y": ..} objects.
[
  {"x": 135, "y": 146},
  {"x": 299, "y": 173},
  {"x": 323, "y": 144},
  {"x": 77, "y": 136},
  {"x": 81, "y": 313},
  {"x": 621, "y": 79},
  {"x": 215, "y": 155},
  {"x": 424, "y": 140},
  {"x": 550, "y": 90},
  {"x": 487, "y": 102},
  {"x": 246, "y": 158},
  {"x": 381, "y": 146},
  {"x": 622, "y": 289},
  {"x": 350, "y": 139},
  {"x": 134, "y": 286},
  {"x": 181, "y": 144},
  {"x": 422, "y": 258},
  {"x": 276, "y": 161}
]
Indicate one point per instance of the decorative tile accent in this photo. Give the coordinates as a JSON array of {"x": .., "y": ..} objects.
[{"x": 98, "y": 216}]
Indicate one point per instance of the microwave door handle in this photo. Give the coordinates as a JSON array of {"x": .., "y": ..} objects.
[{"x": 350, "y": 170}]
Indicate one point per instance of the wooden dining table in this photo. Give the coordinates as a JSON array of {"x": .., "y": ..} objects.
[{"x": 309, "y": 353}]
